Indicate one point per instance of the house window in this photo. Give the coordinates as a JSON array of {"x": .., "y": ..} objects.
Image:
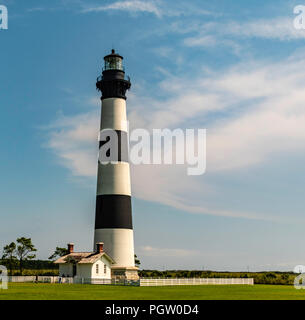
[
  {"x": 105, "y": 268},
  {"x": 97, "y": 268}
]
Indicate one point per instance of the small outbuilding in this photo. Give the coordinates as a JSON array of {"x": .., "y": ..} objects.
[{"x": 86, "y": 265}]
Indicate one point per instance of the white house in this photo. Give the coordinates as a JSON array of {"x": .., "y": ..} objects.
[{"x": 86, "y": 265}]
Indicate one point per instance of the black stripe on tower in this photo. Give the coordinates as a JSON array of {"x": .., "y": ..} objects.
[
  {"x": 119, "y": 151},
  {"x": 113, "y": 211}
]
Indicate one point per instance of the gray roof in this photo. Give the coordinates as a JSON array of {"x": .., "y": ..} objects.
[{"x": 83, "y": 257}]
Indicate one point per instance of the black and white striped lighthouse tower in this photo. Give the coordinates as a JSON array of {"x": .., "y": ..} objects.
[{"x": 113, "y": 216}]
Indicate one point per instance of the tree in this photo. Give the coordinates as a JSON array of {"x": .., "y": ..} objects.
[
  {"x": 9, "y": 252},
  {"x": 59, "y": 252},
  {"x": 137, "y": 261},
  {"x": 24, "y": 251}
]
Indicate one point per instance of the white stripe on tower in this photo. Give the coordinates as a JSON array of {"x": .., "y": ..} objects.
[
  {"x": 114, "y": 114},
  {"x": 113, "y": 179},
  {"x": 113, "y": 221}
]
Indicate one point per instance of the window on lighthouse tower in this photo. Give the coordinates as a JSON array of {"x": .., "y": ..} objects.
[{"x": 113, "y": 62}]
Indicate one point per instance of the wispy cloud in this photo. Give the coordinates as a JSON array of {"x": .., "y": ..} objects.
[
  {"x": 132, "y": 6},
  {"x": 36, "y": 9},
  {"x": 74, "y": 141},
  {"x": 158, "y": 8},
  {"x": 280, "y": 28},
  {"x": 251, "y": 121},
  {"x": 210, "y": 34}
]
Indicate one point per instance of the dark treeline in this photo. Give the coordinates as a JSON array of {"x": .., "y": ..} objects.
[
  {"x": 274, "y": 277},
  {"x": 32, "y": 267}
]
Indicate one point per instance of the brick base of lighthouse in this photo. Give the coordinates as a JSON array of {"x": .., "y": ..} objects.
[{"x": 125, "y": 273}]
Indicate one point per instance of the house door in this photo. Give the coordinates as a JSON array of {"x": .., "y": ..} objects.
[{"x": 74, "y": 269}]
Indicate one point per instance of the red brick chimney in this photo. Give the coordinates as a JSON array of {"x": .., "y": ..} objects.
[
  {"x": 70, "y": 247},
  {"x": 100, "y": 247}
]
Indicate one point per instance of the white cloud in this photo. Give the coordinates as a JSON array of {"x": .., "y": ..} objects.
[
  {"x": 258, "y": 114},
  {"x": 280, "y": 28},
  {"x": 202, "y": 41},
  {"x": 157, "y": 7},
  {"x": 169, "y": 185},
  {"x": 225, "y": 33},
  {"x": 36, "y": 9},
  {"x": 269, "y": 119},
  {"x": 132, "y": 6},
  {"x": 74, "y": 141}
]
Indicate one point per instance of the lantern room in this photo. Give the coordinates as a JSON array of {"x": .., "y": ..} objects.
[{"x": 113, "y": 61}]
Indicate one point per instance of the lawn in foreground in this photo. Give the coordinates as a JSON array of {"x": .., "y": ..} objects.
[{"x": 32, "y": 291}]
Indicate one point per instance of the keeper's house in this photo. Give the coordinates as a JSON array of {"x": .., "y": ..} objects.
[{"x": 85, "y": 265}]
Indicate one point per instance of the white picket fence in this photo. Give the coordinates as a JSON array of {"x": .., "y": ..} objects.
[
  {"x": 44, "y": 279},
  {"x": 91, "y": 281},
  {"x": 145, "y": 282},
  {"x": 21, "y": 278},
  {"x": 69, "y": 280}
]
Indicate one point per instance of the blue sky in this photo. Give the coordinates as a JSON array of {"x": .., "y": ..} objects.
[{"x": 235, "y": 68}]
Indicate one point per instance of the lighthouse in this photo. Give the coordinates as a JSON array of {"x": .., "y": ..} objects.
[{"x": 113, "y": 214}]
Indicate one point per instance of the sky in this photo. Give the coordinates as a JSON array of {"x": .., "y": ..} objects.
[{"x": 235, "y": 68}]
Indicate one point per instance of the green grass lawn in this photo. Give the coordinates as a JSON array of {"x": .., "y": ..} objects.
[{"x": 32, "y": 291}]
